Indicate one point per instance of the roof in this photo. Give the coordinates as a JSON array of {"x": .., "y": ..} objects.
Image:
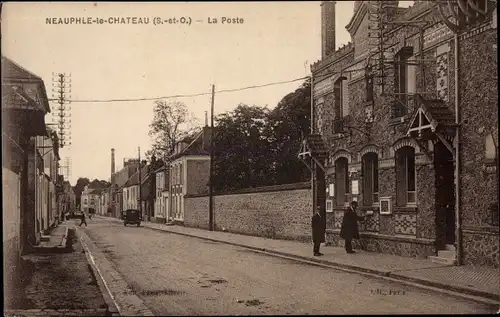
[
  {"x": 434, "y": 113},
  {"x": 11, "y": 71},
  {"x": 134, "y": 179},
  {"x": 160, "y": 169},
  {"x": 195, "y": 147}
]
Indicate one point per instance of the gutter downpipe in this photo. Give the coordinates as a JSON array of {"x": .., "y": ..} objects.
[
  {"x": 313, "y": 165},
  {"x": 458, "y": 229}
]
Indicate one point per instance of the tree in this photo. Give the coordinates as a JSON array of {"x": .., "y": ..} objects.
[
  {"x": 241, "y": 150},
  {"x": 171, "y": 123},
  {"x": 257, "y": 147},
  {"x": 287, "y": 124},
  {"x": 79, "y": 187}
]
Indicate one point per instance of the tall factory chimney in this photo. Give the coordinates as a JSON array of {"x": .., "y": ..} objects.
[
  {"x": 112, "y": 161},
  {"x": 327, "y": 28}
]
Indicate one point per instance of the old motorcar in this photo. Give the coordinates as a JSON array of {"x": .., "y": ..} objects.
[{"x": 132, "y": 216}]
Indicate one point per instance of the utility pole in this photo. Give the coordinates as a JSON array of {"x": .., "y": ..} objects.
[
  {"x": 211, "y": 189},
  {"x": 61, "y": 90},
  {"x": 139, "y": 198}
]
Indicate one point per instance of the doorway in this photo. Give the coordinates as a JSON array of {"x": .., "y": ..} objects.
[{"x": 445, "y": 195}]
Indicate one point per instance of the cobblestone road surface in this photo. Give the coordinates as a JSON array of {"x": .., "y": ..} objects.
[{"x": 177, "y": 275}]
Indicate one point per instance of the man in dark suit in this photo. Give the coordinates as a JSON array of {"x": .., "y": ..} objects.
[
  {"x": 349, "y": 229},
  {"x": 318, "y": 231}
]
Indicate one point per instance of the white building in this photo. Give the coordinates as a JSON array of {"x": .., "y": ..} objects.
[
  {"x": 131, "y": 192},
  {"x": 161, "y": 193}
]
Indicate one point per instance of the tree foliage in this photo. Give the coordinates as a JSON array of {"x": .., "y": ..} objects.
[
  {"x": 257, "y": 147},
  {"x": 241, "y": 148},
  {"x": 84, "y": 181},
  {"x": 171, "y": 123}
]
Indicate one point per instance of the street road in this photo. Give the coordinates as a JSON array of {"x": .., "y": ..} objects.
[{"x": 178, "y": 275}]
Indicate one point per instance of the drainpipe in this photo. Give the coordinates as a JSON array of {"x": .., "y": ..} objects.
[
  {"x": 313, "y": 165},
  {"x": 458, "y": 229}
]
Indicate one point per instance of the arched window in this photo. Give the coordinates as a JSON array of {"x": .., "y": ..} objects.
[
  {"x": 369, "y": 167},
  {"x": 405, "y": 176},
  {"x": 341, "y": 181}
]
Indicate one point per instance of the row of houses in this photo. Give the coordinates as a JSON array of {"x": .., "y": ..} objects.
[
  {"x": 34, "y": 195},
  {"x": 404, "y": 121},
  {"x": 156, "y": 188}
]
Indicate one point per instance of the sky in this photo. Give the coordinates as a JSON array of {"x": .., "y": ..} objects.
[{"x": 277, "y": 41}]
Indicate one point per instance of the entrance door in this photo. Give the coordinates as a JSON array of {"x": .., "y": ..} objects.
[{"x": 445, "y": 195}]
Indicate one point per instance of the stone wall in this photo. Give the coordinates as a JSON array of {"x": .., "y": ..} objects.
[
  {"x": 479, "y": 121},
  {"x": 281, "y": 212},
  {"x": 11, "y": 229}
]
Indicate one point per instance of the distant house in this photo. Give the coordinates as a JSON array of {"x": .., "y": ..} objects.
[
  {"x": 161, "y": 194},
  {"x": 188, "y": 172},
  {"x": 118, "y": 181},
  {"x": 130, "y": 191}
]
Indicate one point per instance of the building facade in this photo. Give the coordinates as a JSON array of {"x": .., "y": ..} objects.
[
  {"x": 45, "y": 186},
  {"x": 188, "y": 172},
  {"x": 118, "y": 180},
  {"x": 161, "y": 205},
  {"x": 24, "y": 105},
  {"x": 387, "y": 123}
]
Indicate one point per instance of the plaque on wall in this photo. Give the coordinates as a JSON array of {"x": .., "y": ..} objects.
[{"x": 355, "y": 189}]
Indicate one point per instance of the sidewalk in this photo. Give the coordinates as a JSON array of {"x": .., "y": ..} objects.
[
  {"x": 480, "y": 282},
  {"x": 59, "y": 281}
]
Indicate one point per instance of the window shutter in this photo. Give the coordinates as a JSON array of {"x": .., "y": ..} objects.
[
  {"x": 412, "y": 77},
  {"x": 400, "y": 179},
  {"x": 337, "y": 101},
  {"x": 345, "y": 98},
  {"x": 340, "y": 181},
  {"x": 367, "y": 180}
]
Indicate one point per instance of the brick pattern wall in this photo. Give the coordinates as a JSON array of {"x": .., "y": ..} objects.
[
  {"x": 281, "y": 214},
  {"x": 479, "y": 180}
]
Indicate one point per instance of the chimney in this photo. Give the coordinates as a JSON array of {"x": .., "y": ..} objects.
[
  {"x": 327, "y": 28},
  {"x": 112, "y": 161},
  {"x": 206, "y": 138},
  {"x": 206, "y": 118}
]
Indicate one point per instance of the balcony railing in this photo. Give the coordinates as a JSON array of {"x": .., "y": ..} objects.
[
  {"x": 402, "y": 106},
  {"x": 338, "y": 126}
]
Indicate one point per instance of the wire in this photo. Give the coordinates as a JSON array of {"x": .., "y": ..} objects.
[{"x": 186, "y": 95}]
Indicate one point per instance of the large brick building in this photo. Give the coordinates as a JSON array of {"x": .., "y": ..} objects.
[{"x": 394, "y": 131}]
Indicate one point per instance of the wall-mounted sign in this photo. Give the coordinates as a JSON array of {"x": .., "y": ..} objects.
[{"x": 355, "y": 188}]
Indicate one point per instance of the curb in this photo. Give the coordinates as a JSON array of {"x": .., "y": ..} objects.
[
  {"x": 106, "y": 294},
  {"x": 480, "y": 296},
  {"x": 118, "y": 296},
  {"x": 457, "y": 291}
]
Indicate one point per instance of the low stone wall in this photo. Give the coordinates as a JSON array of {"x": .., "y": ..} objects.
[
  {"x": 281, "y": 212},
  {"x": 381, "y": 243},
  {"x": 158, "y": 220},
  {"x": 481, "y": 246}
]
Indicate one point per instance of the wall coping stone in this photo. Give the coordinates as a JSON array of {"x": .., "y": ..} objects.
[
  {"x": 274, "y": 188},
  {"x": 398, "y": 238}
]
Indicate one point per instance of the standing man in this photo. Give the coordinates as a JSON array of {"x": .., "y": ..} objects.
[
  {"x": 318, "y": 231},
  {"x": 83, "y": 220},
  {"x": 349, "y": 229}
]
